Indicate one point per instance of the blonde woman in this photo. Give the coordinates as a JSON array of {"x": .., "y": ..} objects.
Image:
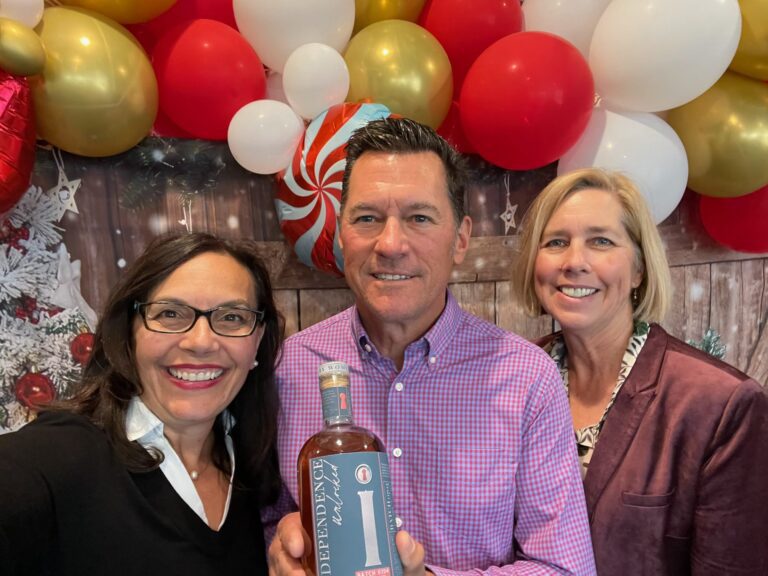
[{"x": 673, "y": 443}]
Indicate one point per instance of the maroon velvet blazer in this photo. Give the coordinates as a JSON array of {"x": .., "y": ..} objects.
[{"x": 678, "y": 482}]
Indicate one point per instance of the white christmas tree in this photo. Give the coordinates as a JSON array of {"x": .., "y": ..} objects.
[{"x": 45, "y": 324}]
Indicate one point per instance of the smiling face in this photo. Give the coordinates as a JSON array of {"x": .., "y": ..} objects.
[
  {"x": 586, "y": 265},
  {"x": 190, "y": 378},
  {"x": 400, "y": 240}
]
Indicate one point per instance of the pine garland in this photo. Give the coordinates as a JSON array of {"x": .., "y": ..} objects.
[
  {"x": 710, "y": 344},
  {"x": 38, "y": 212},
  {"x": 35, "y": 334},
  {"x": 156, "y": 164}
]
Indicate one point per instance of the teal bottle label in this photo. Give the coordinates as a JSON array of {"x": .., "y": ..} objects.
[
  {"x": 337, "y": 403},
  {"x": 352, "y": 515}
]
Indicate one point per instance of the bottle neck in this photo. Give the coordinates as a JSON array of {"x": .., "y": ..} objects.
[{"x": 337, "y": 405}]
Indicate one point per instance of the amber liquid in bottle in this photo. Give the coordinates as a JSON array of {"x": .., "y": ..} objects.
[{"x": 339, "y": 436}]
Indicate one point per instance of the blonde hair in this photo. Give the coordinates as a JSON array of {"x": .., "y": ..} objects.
[{"x": 655, "y": 290}]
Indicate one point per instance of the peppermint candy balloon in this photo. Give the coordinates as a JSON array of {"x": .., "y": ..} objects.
[{"x": 309, "y": 194}]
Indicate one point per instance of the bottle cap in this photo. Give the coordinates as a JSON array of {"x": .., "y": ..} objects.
[
  {"x": 333, "y": 368},
  {"x": 333, "y": 375}
]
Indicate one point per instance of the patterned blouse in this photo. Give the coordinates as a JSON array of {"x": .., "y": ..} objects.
[{"x": 586, "y": 438}]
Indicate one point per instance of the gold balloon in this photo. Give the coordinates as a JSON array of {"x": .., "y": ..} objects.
[
  {"x": 725, "y": 134},
  {"x": 21, "y": 52},
  {"x": 401, "y": 65},
  {"x": 369, "y": 11},
  {"x": 97, "y": 95},
  {"x": 752, "y": 54},
  {"x": 124, "y": 11}
]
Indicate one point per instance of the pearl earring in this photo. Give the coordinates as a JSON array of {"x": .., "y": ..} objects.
[{"x": 255, "y": 363}]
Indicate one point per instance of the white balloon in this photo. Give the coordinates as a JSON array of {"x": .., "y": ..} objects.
[
  {"x": 574, "y": 20},
  {"x": 651, "y": 55},
  {"x": 315, "y": 78},
  {"x": 640, "y": 145},
  {"x": 275, "y": 28},
  {"x": 27, "y": 12},
  {"x": 275, "y": 87},
  {"x": 263, "y": 135}
]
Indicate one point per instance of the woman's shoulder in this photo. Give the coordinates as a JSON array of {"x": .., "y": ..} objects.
[
  {"x": 53, "y": 435},
  {"x": 63, "y": 421},
  {"x": 683, "y": 364}
]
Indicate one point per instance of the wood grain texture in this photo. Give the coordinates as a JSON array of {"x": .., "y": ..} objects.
[
  {"x": 696, "y": 301},
  {"x": 287, "y": 303},
  {"x": 714, "y": 286},
  {"x": 510, "y": 316},
  {"x": 317, "y": 305},
  {"x": 477, "y": 298}
]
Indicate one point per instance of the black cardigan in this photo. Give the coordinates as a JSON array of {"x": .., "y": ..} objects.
[{"x": 69, "y": 506}]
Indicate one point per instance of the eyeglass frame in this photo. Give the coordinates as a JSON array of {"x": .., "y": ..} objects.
[{"x": 141, "y": 307}]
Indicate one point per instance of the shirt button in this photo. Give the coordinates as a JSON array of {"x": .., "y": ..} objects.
[
  {"x": 368, "y": 348},
  {"x": 399, "y": 522},
  {"x": 432, "y": 359},
  {"x": 397, "y": 452},
  {"x": 399, "y": 386}
]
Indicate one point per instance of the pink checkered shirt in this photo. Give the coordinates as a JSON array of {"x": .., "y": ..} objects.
[{"x": 479, "y": 437}]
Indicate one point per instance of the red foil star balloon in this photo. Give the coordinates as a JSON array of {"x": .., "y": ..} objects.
[{"x": 17, "y": 140}]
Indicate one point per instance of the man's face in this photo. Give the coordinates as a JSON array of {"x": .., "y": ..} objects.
[{"x": 399, "y": 238}]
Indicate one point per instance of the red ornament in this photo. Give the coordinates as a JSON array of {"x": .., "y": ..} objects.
[
  {"x": 82, "y": 347},
  {"x": 34, "y": 390},
  {"x": 13, "y": 236},
  {"x": 30, "y": 311},
  {"x": 17, "y": 140}
]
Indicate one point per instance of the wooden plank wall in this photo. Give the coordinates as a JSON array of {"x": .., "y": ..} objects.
[
  {"x": 714, "y": 287},
  {"x": 729, "y": 297}
]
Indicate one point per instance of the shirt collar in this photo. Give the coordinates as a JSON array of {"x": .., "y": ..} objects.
[
  {"x": 434, "y": 341},
  {"x": 141, "y": 424}
]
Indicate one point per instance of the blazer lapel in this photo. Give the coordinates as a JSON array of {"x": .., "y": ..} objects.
[{"x": 625, "y": 416}]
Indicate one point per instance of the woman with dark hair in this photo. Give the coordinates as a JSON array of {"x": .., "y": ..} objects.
[{"x": 162, "y": 460}]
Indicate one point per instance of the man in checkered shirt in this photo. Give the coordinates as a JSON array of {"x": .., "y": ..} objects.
[{"x": 475, "y": 419}]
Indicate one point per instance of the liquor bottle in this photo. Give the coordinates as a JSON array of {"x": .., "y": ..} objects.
[{"x": 344, "y": 491}]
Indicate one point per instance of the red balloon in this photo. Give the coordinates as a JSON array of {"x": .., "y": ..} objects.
[
  {"x": 17, "y": 140},
  {"x": 467, "y": 27},
  {"x": 148, "y": 33},
  {"x": 738, "y": 223},
  {"x": 452, "y": 130},
  {"x": 526, "y": 100},
  {"x": 164, "y": 127},
  {"x": 206, "y": 71}
]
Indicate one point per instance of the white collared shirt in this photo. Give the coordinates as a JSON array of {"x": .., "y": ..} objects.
[{"x": 142, "y": 426}]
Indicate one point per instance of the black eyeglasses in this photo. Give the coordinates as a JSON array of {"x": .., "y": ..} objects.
[{"x": 175, "y": 318}]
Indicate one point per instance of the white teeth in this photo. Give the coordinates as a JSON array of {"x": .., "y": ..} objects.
[
  {"x": 198, "y": 376},
  {"x": 392, "y": 276},
  {"x": 577, "y": 292}
]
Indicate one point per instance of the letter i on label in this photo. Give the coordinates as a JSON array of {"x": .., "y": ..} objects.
[{"x": 345, "y": 493}]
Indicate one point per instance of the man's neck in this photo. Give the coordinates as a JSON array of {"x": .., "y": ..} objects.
[{"x": 392, "y": 338}]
